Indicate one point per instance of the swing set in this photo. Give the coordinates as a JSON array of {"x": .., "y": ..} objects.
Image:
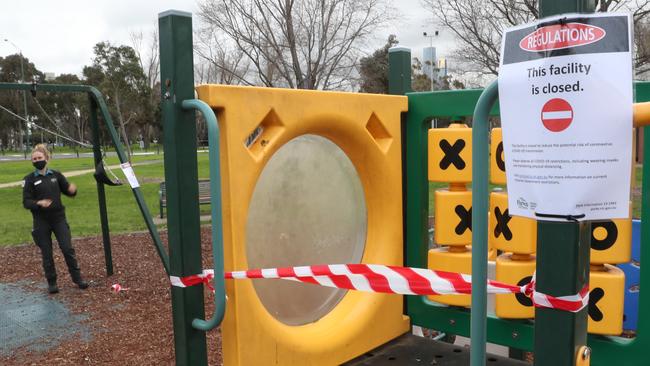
[{"x": 97, "y": 106}]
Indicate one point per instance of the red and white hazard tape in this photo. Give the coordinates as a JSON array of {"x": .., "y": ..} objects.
[
  {"x": 205, "y": 277},
  {"x": 392, "y": 280},
  {"x": 119, "y": 288}
]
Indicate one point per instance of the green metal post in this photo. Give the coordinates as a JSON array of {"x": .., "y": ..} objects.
[
  {"x": 101, "y": 195},
  {"x": 179, "y": 129},
  {"x": 480, "y": 153},
  {"x": 562, "y": 269},
  {"x": 399, "y": 70},
  {"x": 562, "y": 260},
  {"x": 555, "y": 7}
]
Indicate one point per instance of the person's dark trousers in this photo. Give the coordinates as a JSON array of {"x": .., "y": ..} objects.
[{"x": 42, "y": 234}]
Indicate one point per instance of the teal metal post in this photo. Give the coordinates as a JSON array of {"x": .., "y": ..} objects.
[
  {"x": 101, "y": 195},
  {"x": 179, "y": 130},
  {"x": 480, "y": 154},
  {"x": 217, "y": 220},
  {"x": 562, "y": 260},
  {"x": 399, "y": 70}
]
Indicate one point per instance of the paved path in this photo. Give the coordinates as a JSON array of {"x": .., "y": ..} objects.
[
  {"x": 72, "y": 155},
  {"x": 74, "y": 173},
  {"x": 158, "y": 221}
]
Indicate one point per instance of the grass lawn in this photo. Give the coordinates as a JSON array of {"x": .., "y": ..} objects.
[
  {"x": 13, "y": 171},
  {"x": 124, "y": 215},
  {"x": 83, "y": 210},
  {"x": 80, "y": 149}
]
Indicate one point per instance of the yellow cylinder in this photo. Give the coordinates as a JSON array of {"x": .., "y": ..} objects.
[
  {"x": 454, "y": 259},
  {"x": 515, "y": 271},
  {"x": 611, "y": 241},
  {"x": 641, "y": 114},
  {"x": 497, "y": 160},
  {"x": 510, "y": 233},
  {"x": 453, "y": 217},
  {"x": 606, "y": 293},
  {"x": 450, "y": 154}
]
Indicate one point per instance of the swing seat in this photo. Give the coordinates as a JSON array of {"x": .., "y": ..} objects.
[{"x": 102, "y": 177}]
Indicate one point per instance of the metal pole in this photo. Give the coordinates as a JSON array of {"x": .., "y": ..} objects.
[
  {"x": 562, "y": 261},
  {"x": 179, "y": 126},
  {"x": 431, "y": 68},
  {"x": 480, "y": 151},
  {"x": 433, "y": 59},
  {"x": 101, "y": 195},
  {"x": 22, "y": 76}
]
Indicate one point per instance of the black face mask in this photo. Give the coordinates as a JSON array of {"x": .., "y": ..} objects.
[{"x": 39, "y": 164}]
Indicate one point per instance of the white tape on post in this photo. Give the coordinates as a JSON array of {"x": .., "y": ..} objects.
[{"x": 127, "y": 169}]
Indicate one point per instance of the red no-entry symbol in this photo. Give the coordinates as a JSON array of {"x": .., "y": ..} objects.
[{"x": 557, "y": 115}]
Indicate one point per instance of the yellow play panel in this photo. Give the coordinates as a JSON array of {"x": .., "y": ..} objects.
[{"x": 308, "y": 177}]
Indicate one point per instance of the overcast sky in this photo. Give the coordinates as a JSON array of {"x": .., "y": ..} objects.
[{"x": 58, "y": 36}]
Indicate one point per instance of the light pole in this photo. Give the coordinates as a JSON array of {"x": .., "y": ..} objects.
[
  {"x": 434, "y": 122},
  {"x": 432, "y": 61},
  {"x": 22, "y": 77}
]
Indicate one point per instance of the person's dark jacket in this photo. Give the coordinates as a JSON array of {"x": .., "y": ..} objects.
[{"x": 49, "y": 186}]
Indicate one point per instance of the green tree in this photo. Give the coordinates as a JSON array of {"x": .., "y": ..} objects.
[
  {"x": 374, "y": 69},
  {"x": 117, "y": 72},
  {"x": 65, "y": 113},
  {"x": 13, "y": 131}
]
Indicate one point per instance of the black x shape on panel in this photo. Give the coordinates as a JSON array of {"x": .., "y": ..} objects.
[
  {"x": 465, "y": 219},
  {"x": 499, "y": 156},
  {"x": 609, "y": 240},
  {"x": 594, "y": 296},
  {"x": 452, "y": 154},
  {"x": 502, "y": 224},
  {"x": 522, "y": 298}
]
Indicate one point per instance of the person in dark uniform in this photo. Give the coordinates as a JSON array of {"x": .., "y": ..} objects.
[{"x": 42, "y": 195}]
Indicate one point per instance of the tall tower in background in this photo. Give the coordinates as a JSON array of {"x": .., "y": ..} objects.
[
  {"x": 430, "y": 63},
  {"x": 442, "y": 67}
]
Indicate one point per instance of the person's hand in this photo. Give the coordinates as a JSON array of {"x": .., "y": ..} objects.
[
  {"x": 44, "y": 203},
  {"x": 72, "y": 189}
]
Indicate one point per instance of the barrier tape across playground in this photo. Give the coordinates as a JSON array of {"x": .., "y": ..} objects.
[{"x": 392, "y": 280}]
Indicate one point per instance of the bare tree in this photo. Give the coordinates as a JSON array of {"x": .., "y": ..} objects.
[
  {"x": 219, "y": 60},
  {"x": 146, "y": 50},
  {"x": 478, "y": 27},
  {"x": 147, "y": 53},
  {"x": 304, "y": 44}
]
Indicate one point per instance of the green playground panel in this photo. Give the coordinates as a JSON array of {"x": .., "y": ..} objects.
[{"x": 517, "y": 334}]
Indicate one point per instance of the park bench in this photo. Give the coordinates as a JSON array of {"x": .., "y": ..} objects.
[{"x": 204, "y": 194}]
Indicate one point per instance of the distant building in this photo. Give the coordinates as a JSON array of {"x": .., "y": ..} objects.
[
  {"x": 49, "y": 76},
  {"x": 429, "y": 63},
  {"x": 442, "y": 67}
]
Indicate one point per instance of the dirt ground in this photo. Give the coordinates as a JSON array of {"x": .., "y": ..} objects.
[{"x": 131, "y": 327}]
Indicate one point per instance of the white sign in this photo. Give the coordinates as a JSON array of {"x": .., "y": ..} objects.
[
  {"x": 127, "y": 169},
  {"x": 565, "y": 95}
]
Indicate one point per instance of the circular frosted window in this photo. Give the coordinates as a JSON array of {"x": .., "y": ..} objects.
[{"x": 308, "y": 208}]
